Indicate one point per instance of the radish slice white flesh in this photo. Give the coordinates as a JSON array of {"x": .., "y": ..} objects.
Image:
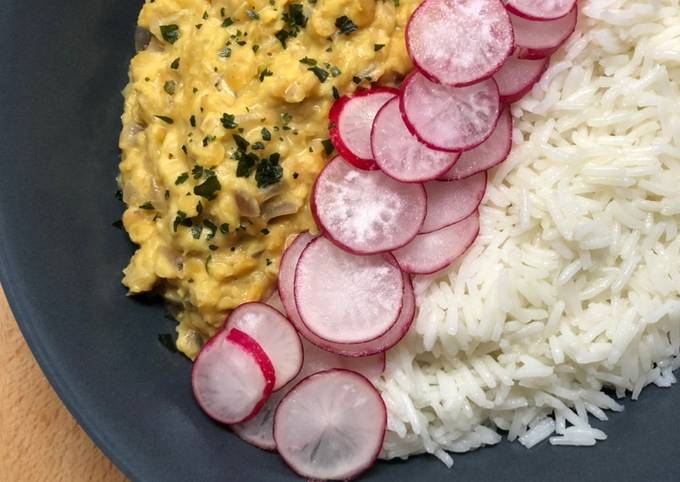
[
  {"x": 492, "y": 151},
  {"x": 274, "y": 333},
  {"x": 331, "y": 426},
  {"x": 428, "y": 253},
  {"x": 449, "y": 118},
  {"x": 351, "y": 118},
  {"x": 259, "y": 430},
  {"x": 399, "y": 153},
  {"x": 366, "y": 212},
  {"x": 459, "y": 42},
  {"x": 518, "y": 76},
  {"x": 538, "y": 40},
  {"x": 540, "y": 10},
  {"x": 449, "y": 202},
  {"x": 232, "y": 377},
  {"x": 346, "y": 298},
  {"x": 364, "y": 350}
]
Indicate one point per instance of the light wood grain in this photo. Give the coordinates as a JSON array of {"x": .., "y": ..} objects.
[{"x": 39, "y": 440}]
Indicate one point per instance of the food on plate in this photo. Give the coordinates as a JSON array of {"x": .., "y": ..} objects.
[{"x": 493, "y": 249}]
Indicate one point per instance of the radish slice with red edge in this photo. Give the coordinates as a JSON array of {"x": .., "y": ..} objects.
[
  {"x": 399, "y": 154},
  {"x": 232, "y": 377},
  {"x": 351, "y": 118},
  {"x": 331, "y": 426},
  {"x": 459, "y": 42},
  {"x": 449, "y": 118},
  {"x": 259, "y": 432},
  {"x": 431, "y": 252},
  {"x": 366, "y": 212},
  {"x": 274, "y": 333},
  {"x": 538, "y": 40},
  {"x": 346, "y": 298},
  {"x": 379, "y": 345},
  {"x": 518, "y": 76},
  {"x": 449, "y": 202},
  {"x": 492, "y": 151},
  {"x": 540, "y": 10}
]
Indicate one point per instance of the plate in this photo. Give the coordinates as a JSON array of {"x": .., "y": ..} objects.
[{"x": 62, "y": 67}]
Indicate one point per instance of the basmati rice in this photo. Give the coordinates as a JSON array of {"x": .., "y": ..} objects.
[{"x": 573, "y": 283}]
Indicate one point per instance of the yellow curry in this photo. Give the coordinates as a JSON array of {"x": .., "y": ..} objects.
[{"x": 225, "y": 130}]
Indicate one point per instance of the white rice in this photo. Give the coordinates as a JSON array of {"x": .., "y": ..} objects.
[{"x": 573, "y": 283}]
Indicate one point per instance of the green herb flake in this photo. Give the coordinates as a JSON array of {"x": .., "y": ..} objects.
[
  {"x": 207, "y": 140},
  {"x": 224, "y": 228},
  {"x": 166, "y": 195},
  {"x": 175, "y": 64},
  {"x": 169, "y": 87},
  {"x": 335, "y": 71},
  {"x": 264, "y": 231},
  {"x": 182, "y": 178},
  {"x": 228, "y": 22},
  {"x": 252, "y": 15},
  {"x": 180, "y": 218},
  {"x": 170, "y": 33},
  {"x": 241, "y": 142},
  {"x": 286, "y": 118},
  {"x": 167, "y": 341},
  {"x": 246, "y": 163},
  {"x": 268, "y": 171},
  {"x": 264, "y": 73},
  {"x": 198, "y": 26},
  {"x": 328, "y": 147},
  {"x": 356, "y": 80},
  {"x": 196, "y": 231},
  {"x": 345, "y": 25},
  {"x": 268, "y": 261},
  {"x": 377, "y": 47},
  {"x": 295, "y": 175},
  {"x": 207, "y": 262},
  {"x": 255, "y": 48},
  {"x": 197, "y": 171},
  {"x": 307, "y": 61},
  {"x": 257, "y": 146},
  {"x": 282, "y": 36},
  {"x": 295, "y": 20},
  {"x": 208, "y": 188},
  {"x": 336, "y": 94},
  {"x": 222, "y": 12},
  {"x": 266, "y": 135},
  {"x": 212, "y": 247},
  {"x": 205, "y": 16},
  {"x": 211, "y": 227},
  {"x": 228, "y": 121},
  {"x": 225, "y": 52},
  {"x": 320, "y": 73},
  {"x": 192, "y": 121},
  {"x": 167, "y": 120}
]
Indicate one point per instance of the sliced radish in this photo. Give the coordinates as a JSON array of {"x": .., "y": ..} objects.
[
  {"x": 274, "y": 333},
  {"x": 232, "y": 377},
  {"x": 459, "y": 42},
  {"x": 429, "y": 253},
  {"x": 518, "y": 76},
  {"x": 366, "y": 212},
  {"x": 540, "y": 10},
  {"x": 351, "y": 118},
  {"x": 345, "y": 298},
  {"x": 331, "y": 426},
  {"x": 258, "y": 431},
  {"x": 449, "y": 118},
  {"x": 538, "y": 40},
  {"x": 449, "y": 202},
  {"x": 492, "y": 151},
  {"x": 399, "y": 153}
]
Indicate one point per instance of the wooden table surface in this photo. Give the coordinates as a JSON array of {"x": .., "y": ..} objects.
[{"x": 39, "y": 440}]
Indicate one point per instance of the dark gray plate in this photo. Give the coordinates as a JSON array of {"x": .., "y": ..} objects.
[{"x": 62, "y": 66}]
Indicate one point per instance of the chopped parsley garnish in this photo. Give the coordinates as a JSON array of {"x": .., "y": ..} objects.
[
  {"x": 345, "y": 25},
  {"x": 167, "y": 341},
  {"x": 286, "y": 118},
  {"x": 264, "y": 231},
  {"x": 265, "y": 73},
  {"x": 241, "y": 142},
  {"x": 211, "y": 227},
  {"x": 167, "y": 120},
  {"x": 252, "y": 15},
  {"x": 181, "y": 178},
  {"x": 199, "y": 207},
  {"x": 207, "y": 140},
  {"x": 246, "y": 163},
  {"x": 205, "y": 16},
  {"x": 198, "y": 26},
  {"x": 170, "y": 33},
  {"x": 166, "y": 195},
  {"x": 175, "y": 64},
  {"x": 212, "y": 247},
  {"x": 268, "y": 171},
  {"x": 356, "y": 80},
  {"x": 225, "y": 52},
  {"x": 222, "y": 11},
  {"x": 197, "y": 171},
  {"x": 336, "y": 94},
  {"x": 180, "y": 218},
  {"x": 224, "y": 228},
  {"x": 209, "y": 187},
  {"x": 228, "y": 121},
  {"x": 320, "y": 73},
  {"x": 207, "y": 262},
  {"x": 192, "y": 121},
  {"x": 169, "y": 87},
  {"x": 228, "y": 22},
  {"x": 266, "y": 135},
  {"x": 335, "y": 71},
  {"x": 268, "y": 261},
  {"x": 377, "y": 47},
  {"x": 307, "y": 61},
  {"x": 295, "y": 175},
  {"x": 295, "y": 21},
  {"x": 257, "y": 145},
  {"x": 196, "y": 231},
  {"x": 255, "y": 48},
  {"x": 327, "y": 146}
]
